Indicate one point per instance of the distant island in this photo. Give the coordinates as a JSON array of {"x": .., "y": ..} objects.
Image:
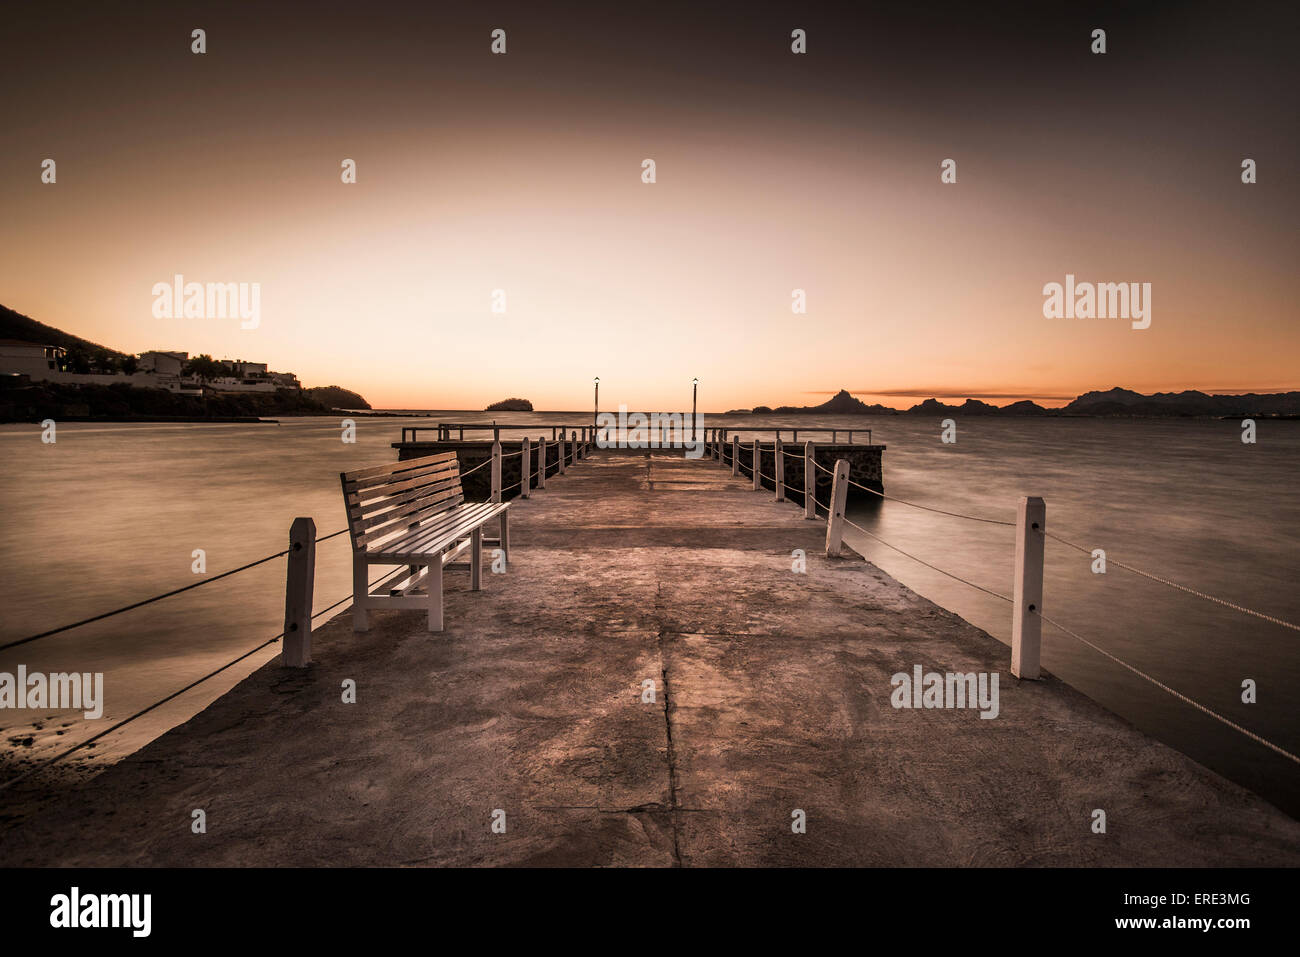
[
  {"x": 337, "y": 397},
  {"x": 510, "y": 405},
  {"x": 1114, "y": 402}
]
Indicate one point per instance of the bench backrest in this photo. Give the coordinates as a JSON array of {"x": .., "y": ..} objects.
[{"x": 386, "y": 499}]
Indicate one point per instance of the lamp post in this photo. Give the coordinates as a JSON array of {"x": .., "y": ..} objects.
[
  {"x": 695, "y": 391},
  {"x": 595, "y": 413}
]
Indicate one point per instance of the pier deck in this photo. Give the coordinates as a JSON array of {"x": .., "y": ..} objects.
[{"x": 772, "y": 694}]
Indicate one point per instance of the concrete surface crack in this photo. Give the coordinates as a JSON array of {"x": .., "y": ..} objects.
[{"x": 674, "y": 805}]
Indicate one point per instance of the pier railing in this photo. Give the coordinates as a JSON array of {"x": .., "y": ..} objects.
[
  {"x": 1030, "y": 526},
  {"x": 664, "y": 426},
  {"x": 1031, "y": 536},
  {"x": 300, "y": 574},
  {"x": 442, "y": 431}
]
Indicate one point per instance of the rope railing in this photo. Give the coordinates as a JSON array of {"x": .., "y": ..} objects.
[
  {"x": 176, "y": 694},
  {"x": 1168, "y": 690},
  {"x": 1093, "y": 645},
  {"x": 922, "y": 561},
  {"x": 1183, "y": 588},
  {"x": 930, "y": 508},
  {"x": 168, "y": 594},
  {"x": 818, "y": 503},
  {"x": 226, "y": 574}
]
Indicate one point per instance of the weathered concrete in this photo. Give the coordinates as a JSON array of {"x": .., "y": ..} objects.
[{"x": 772, "y": 694}]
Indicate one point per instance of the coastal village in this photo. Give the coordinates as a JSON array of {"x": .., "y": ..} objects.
[{"x": 156, "y": 369}]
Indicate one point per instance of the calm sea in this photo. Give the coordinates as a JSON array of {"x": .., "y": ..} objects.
[{"x": 112, "y": 513}]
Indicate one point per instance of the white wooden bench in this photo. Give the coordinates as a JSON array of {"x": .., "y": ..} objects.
[{"x": 414, "y": 513}]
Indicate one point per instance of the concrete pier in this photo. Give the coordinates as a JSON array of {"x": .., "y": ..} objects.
[{"x": 771, "y": 696}]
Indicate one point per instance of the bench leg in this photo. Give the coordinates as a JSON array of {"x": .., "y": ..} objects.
[
  {"x": 505, "y": 535},
  {"x": 435, "y": 593},
  {"x": 476, "y": 559},
  {"x": 360, "y": 592}
]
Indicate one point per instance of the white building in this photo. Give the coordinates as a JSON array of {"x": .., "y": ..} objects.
[
  {"x": 30, "y": 358},
  {"x": 163, "y": 363}
]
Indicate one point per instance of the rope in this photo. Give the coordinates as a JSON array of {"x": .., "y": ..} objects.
[
  {"x": 506, "y": 455},
  {"x": 176, "y": 694},
  {"x": 822, "y": 467},
  {"x": 1177, "y": 694},
  {"x": 1191, "y": 591},
  {"x": 927, "y": 564},
  {"x": 928, "y": 508},
  {"x": 475, "y": 468},
  {"x": 150, "y": 601}
]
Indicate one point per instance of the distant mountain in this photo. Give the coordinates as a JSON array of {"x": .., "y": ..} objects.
[
  {"x": 842, "y": 403},
  {"x": 1023, "y": 407},
  {"x": 969, "y": 407},
  {"x": 1126, "y": 402},
  {"x": 1112, "y": 402},
  {"x": 14, "y": 325},
  {"x": 337, "y": 397}
]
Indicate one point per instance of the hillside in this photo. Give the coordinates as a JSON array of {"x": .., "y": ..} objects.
[
  {"x": 122, "y": 400},
  {"x": 14, "y": 325}
]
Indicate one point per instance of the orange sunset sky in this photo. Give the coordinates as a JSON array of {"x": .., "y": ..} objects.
[{"x": 523, "y": 173}]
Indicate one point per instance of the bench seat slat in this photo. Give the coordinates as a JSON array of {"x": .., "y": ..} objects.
[
  {"x": 412, "y": 536},
  {"x": 422, "y": 540},
  {"x": 422, "y": 546}
]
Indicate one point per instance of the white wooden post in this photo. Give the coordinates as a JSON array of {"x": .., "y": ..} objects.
[
  {"x": 735, "y": 455},
  {"x": 560, "y": 449},
  {"x": 574, "y": 446},
  {"x": 809, "y": 481},
  {"x": 1026, "y": 625},
  {"x": 525, "y": 469},
  {"x": 835, "y": 520},
  {"x": 496, "y": 471},
  {"x": 780, "y": 471},
  {"x": 298, "y": 587},
  {"x": 754, "y": 460},
  {"x": 541, "y": 461}
]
